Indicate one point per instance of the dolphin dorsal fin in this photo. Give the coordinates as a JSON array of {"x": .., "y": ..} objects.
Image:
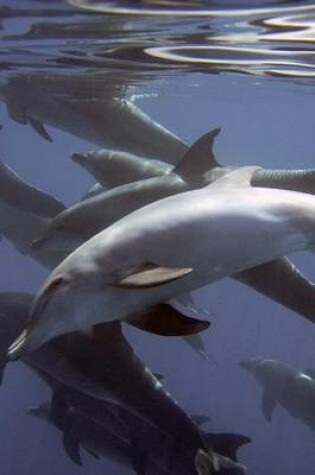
[
  {"x": 198, "y": 159},
  {"x": 240, "y": 177}
]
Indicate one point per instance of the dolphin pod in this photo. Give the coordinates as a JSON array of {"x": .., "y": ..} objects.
[
  {"x": 20, "y": 227},
  {"x": 292, "y": 389},
  {"x": 167, "y": 248},
  {"x": 99, "y": 383},
  {"x": 197, "y": 168}
]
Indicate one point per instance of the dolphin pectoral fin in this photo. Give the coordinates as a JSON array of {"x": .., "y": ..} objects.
[
  {"x": 71, "y": 443},
  {"x": 240, "y": 177},
  {"x": 268, "y": 405},
  {"x": 151, "y": 275},
  {"x": 196, "y": 343},
  {"x": 198, "y": 159},
  {"x": 39, "y": 128},
  {"x": 165, "y": 320},
  {"x": 310, "y": 372}
]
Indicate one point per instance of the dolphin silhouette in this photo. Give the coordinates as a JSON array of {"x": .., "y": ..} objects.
[
  {"x": 167, "y": 248},
  {"x": 292, "y": 389},
  {"x": 98, "y": 374}
]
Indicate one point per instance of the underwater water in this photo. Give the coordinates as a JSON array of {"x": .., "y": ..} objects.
[{"x": 66, "y": 69}]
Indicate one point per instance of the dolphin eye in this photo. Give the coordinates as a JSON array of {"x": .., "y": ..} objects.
[{"x": 55, "y": 283}]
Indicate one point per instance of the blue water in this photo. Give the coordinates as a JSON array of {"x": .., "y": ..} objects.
[{"x": 265, "y": 110}]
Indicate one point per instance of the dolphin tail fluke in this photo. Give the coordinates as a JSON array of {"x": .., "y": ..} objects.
[
  {"x": 198, "y": 159},
  {"x": 226, "y": 444}
]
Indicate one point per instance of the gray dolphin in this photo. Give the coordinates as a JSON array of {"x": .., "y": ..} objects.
[
  {"x": 168, "y": 248},
  {"x": 91, "y": 108},
  {"x": 292, "y": 389},
  {"x": 115, "y": 168},
  {"x": 16, "y": 192}
]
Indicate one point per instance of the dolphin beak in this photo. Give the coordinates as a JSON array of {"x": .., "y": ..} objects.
[
  {"x": 17, "y": 348},
  {"x": 78, "y": 157}
]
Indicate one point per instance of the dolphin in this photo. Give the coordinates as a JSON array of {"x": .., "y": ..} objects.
[
  {"x": 67, "y": 230},
  {"x": 168, "y": 248},
  {"x": 162, "y": 320},
  {"x": 98, "y": 368},
  {"x": 79, "y": 430},
  {"x": 115, "y": 168},
  {"x": 198, "y": 167},
  {"x": 16, "y": 192},
  {"x": 90, "y": 108},
  {"x": 292, "y": 389},
  {"x": 20, "y": 227}
]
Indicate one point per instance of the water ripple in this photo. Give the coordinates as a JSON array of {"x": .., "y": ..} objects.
[{"x": 270, "y": 38}]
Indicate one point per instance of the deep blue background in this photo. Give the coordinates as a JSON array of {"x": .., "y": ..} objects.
[{"x": 268, "y": 122}]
